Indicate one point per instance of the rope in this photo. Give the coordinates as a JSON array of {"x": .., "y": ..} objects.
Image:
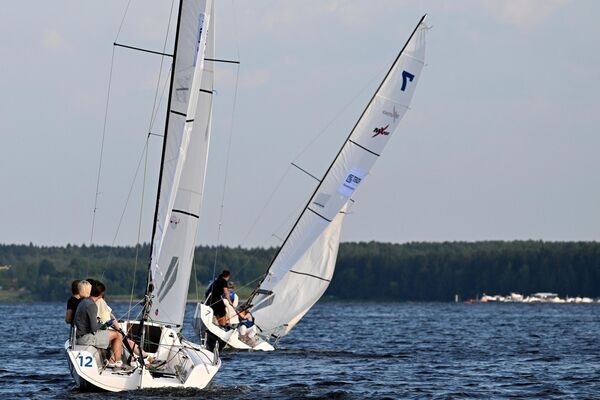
[
  {"x": 110, "y": 74},
  {"x": 228, "y": 152}
]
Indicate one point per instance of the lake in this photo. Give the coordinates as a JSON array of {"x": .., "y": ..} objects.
[{"x": 355, "y": 351}]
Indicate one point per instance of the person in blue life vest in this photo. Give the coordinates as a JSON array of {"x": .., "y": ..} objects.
[{"x": 246, "y": 328}]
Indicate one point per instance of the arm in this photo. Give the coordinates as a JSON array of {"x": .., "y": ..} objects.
[
  {"x": 226, "y": 294},
  {"x": 92, "y": 313},
  {"x": 115, "y": 321},
  {"x": 69, "y": 316}
]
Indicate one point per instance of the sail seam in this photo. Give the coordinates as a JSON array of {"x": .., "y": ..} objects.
[
  {"x": 420, "y": 61},
  {"x": 364, "y": 148},
  {"x": 326, "y": 219},
  {"x": 310, "y": 275},
  {"x": 393, "y": 101},
  {"x": 186, "y": 213}
]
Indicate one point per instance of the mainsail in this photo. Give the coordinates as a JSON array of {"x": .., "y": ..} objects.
[
  {"x": 184, "y": 163},
  {"x": 301, "y": 271}
]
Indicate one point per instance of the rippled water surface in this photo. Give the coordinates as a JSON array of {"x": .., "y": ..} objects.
[{"x": 355, "y": 351}]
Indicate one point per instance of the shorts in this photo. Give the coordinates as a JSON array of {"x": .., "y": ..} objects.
[
  {"x": 98, "y": 339},
  {"x": 219, "y": 309}
]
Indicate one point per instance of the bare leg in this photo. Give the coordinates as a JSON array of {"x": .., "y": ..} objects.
[
  {"x": 136, "y": 349},
  {"x": 116, "y": 344}
]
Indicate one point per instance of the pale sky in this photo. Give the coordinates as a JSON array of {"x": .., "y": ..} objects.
[{"x": 502, "y": 140}]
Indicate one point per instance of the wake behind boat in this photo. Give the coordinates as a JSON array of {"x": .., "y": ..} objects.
[
  {"x": 303, "y": 266},
  {"x": 177, "y": 362}
]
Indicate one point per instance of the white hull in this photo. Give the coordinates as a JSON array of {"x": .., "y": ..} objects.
[
  {"x": 203, "y": 320},
  {"x": 178, "y": 363}
]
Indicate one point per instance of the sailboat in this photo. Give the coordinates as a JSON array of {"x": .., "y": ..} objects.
[
  {"x": 178, "y": 362},
  {"x": 303, "y": 266}
]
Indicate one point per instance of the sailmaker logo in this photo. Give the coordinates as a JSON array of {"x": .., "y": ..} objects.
[
  {"x": 393, "y": 114},
  {"x": 381, "y": 131}
]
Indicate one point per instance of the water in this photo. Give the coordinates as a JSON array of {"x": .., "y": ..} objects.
[{"x": 355, "y": 351}]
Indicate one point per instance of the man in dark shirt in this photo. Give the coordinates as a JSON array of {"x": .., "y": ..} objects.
[
  {"x": 218, "y": 294},
  {"x": 80, "y": 290},
  {"x": 73, "y": 302},
  {"x": 88, "y": 331}
]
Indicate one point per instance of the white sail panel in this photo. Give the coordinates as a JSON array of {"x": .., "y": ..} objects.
[
  {"x": 193, "y": 87},
  {"x": 362, "y": 148},
  {"x": 302, "y": 286}
]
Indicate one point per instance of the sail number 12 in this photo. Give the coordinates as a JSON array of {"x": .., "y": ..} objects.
[{"x": 85, "y": 361}]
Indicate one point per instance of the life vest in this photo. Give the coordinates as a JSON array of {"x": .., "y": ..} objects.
[{"x": 248, "y": 323}]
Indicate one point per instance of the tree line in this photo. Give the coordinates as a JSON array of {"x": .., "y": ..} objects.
[{"x": 366, "y": 271}]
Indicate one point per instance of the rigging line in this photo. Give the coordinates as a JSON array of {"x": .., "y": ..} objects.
[
  {"x": 139, "y": 234},
  {"x": 156, "y": 103},
  {"x": 236, "y": 38},
  {"x": 160, "y": 71},
  {"x": 142, "y": 50},
  {"x": 122, "y": 20},
  {"x": 339, "y": 113},
  {"x": 195, "y": 267},
  {"x": 305, "y": 149},
  {"x": 150, "y": 284},
  {"x": 228, "y": 152},
  {"x": 267, "y": 203},
  {"x": 108, "y": 91},
  {"x": 126, "y": 203},
  {"x": 394, "y": 63},
  {"x": 110, "y": 74}
]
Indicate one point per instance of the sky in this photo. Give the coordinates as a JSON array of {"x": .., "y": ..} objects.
[{"x": 501, "y": 142}]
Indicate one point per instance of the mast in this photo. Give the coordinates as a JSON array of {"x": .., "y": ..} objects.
[
  {"x": 149, "y": 286},
  {"x": 348, "y": 139}
]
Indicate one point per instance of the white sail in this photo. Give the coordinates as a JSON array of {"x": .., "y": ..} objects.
[
  {"x": 182, "y": 184},
  {"x": 182, "y": 364},
  {"x": 303, "y": 285},
  {"x": 303, "y": 267}
]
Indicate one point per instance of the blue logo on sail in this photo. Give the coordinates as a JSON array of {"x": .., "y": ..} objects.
[{"x": 349, "y": 185}]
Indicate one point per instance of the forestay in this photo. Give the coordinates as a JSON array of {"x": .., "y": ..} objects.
[
  {"x": 302, "y": 269},
  {"x": 184, "y": 163}
]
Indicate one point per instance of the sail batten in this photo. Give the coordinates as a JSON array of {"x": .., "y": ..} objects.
[{"x": 310, "y": 249}]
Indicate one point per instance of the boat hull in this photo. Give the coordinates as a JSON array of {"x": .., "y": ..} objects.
[
  {"x": 178, "y": 363},
  {"x": 203, "y": 322}
]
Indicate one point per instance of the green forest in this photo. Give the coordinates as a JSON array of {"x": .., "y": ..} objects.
[{"x": 370, "y": 271}]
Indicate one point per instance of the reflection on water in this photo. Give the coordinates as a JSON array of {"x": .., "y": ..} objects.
[{"x": 355, "y": 351}]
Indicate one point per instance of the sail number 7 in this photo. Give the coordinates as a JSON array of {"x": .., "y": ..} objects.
[{"x": 406, "y": 76}]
